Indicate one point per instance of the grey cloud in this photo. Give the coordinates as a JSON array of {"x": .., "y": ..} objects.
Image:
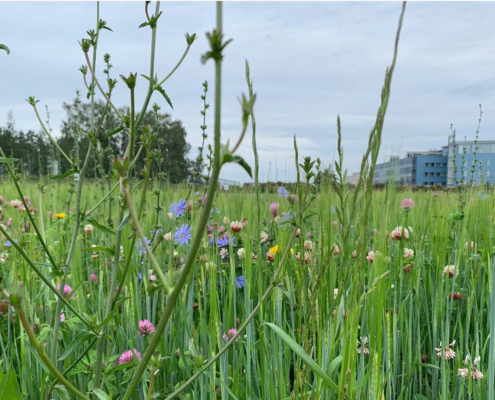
[{"x": 309, "y": 62}]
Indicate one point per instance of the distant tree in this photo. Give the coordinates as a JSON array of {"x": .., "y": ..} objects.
[
  {"x": 29, "y": 147},
  {"x": 171, "y": 140},
  {"x": 37, "y": 155}
]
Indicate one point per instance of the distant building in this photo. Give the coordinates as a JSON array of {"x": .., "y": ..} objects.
[
  {"x": 354, "y": 178},
  {"x": 444, "y": 167},
  {"x": 417, "y": 168},
  {"x": 227, "y": 182},
  {"x": 465, "y": 153}
]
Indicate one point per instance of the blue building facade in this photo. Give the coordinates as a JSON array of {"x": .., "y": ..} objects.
[
  {"x": 431, "y": 170},
  {"x": 417, "y": 168},
  {"x": 470, "y": 161},
  {"x": 457, "y": 163}
]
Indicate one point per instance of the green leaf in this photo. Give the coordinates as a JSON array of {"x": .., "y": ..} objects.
[
  {"x": 304, "y": 356},
  {"x": 5, "y": 160},
  {"x": 227, "y": 158},
  {"x": 101, "y": 394},
  {"x": 428, "y": 366},
  {"x": 99, "y": 226},
  {"x": 418, "y": 396},
  {"x": 62, "y": 392},
  {"x": 160, "y": 89},
  {"x": 3, "y": 47},
  {"x": 110, "y": 315},
  {"x": 41, "y": 363},
  {"x": 100, "y": 248},
  {"x": 77, "y": 342},
  {"x": 145, "y": 77},
  {"x": 125, "y": 221},
  {"x": 65, "y": 174},
  {"x": 9, "y": 388},
  {"x": 115, "y": 131}
]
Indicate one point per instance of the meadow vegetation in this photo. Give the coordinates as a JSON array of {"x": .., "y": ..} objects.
[{"x": 138, "y": 289}]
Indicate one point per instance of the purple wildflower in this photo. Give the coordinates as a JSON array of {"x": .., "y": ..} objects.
[
  {"x": 94, "y": 278},
  {"x": 283, "y": 192},
  {"x": 224, "y": 241},
  {"x": 146, "y": 327},
  {"x": 128, "y": 356},
  {"x": 67, "y": 291},
  {"x": 274, "y": 209},
  {"x": 241, "y": 281},
  {"x": 178, "y": 208},
  {"x": 182, "y": 235}
]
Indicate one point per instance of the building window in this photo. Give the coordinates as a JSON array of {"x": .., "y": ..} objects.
[
  {"x": 488, "y": 163},
  {"x": 488, "y": 173}
]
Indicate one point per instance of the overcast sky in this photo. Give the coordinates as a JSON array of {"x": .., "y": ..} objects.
[{"x": 309, "y": 62}]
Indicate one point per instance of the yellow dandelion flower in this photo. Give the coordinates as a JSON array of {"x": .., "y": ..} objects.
[
  {"x": 274, "y": 249},
  {"x": 291, "y": 250},
  {"x": 60, "y": 215}
]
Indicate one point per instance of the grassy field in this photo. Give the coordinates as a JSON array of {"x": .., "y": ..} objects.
[{"x": 379, "y": 325}]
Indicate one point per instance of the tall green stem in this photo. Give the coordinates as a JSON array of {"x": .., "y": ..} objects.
[
  {"x": 174, "y": 295},
  {"x": 41, "y": 351}
]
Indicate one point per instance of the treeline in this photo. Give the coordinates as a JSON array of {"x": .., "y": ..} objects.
[{"x": 38, "y": 155}]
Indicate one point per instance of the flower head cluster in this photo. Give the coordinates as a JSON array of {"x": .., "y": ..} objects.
[
  {"x": 408, "y": 253},
  {"x": 59, "y": 216},
  {"x": 146, "y": 327},
  {"x": 182, "y": 235},
  {"x": 15, "y": 203},
  {"x": 88, "y": 228},
  {"x": 274, "y": 207},
  {"x": 241, "y": 253},
  {"x": 399, "y": 233},
  {"x": 236, "y": 226},
  {"x": 407, "y": 204},
  {"x": 224, "y": 240},
  {"x": 270, "y": 256},
  {"x": 448, "y": 353},
  {"x": 283, "y": 192},
  {"x": 128, "y": 356},
  {"x": 67, "y": 291},
  {"x": 475, "y": 373},
  {"x": 228, "y": 336},
  {"x": 240, "y": 281},
  {"x": 177, "y": 209},
  {"x": 264, "y": 237},
  {"x": 449, "y": 269}
]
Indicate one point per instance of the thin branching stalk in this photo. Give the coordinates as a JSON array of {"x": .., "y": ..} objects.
[
  {"x": 50, "y": 136},
  {"x": 175, "y": 294},
  {"x": 54, "y": 346},
  {"x": 16, "y": 302}
]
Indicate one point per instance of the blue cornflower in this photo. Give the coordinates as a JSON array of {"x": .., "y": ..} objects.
[
  {"x": 287, "y": 216},
  {"x": 224, "y": 241},
  {"x": 196, "y": 193},
  {"x": 241, "y": 281},
  {"x": 283, "y": 192},
  {"x": 7, "y": 243},
  {"x": 178, "y": 208},
  {"x": 182, "y": 235}
]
